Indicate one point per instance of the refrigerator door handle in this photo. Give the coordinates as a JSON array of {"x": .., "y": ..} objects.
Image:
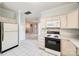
[{"x": 2, "y": 27}]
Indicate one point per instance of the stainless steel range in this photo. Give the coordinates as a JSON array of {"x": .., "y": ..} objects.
[{"x": 52, "y": 40}]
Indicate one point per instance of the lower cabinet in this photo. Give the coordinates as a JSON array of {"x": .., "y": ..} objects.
[
  {"x": 42, "y": 44},
  {"x": 77, "y": 51},
  {"x": 67, "y": 48}
]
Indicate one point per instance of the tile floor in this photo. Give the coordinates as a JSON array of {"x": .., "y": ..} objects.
[{"x": 27, "y": 47}]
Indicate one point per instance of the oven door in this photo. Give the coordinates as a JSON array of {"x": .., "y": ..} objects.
[{"x": 52, "y": 43}]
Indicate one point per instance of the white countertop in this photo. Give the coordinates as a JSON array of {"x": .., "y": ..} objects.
[
  {"x": 73, "y": 39},
  {"x": 75, "y": 42}
]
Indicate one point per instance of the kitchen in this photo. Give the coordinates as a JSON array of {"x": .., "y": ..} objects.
[{"x": 58, "y": 29}]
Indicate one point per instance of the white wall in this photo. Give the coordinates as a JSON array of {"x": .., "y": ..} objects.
[
  {"x": 60, "y": 9},
  {"x": 21, "y": 20}
]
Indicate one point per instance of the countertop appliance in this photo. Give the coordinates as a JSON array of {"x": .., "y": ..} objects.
[
  {"x": 52, "y": 40},
  {"x": 8, "y": 36}
]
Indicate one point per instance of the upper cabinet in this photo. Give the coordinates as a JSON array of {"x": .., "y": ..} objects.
[
  {"x": 7, "y": 15},
  {"x": 43, "y": 22},
  {"x": 63, "y": 20},
  {"x": 73, "y": 20},
  {"x": 70, "y": 20}
]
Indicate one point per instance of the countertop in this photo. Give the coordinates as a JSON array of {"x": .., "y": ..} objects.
[
  {"x": 75, "y": 42},
  {"x": 73, "y": 39}
]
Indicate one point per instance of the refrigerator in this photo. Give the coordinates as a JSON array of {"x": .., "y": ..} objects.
[{"x": 8, "y": 36}]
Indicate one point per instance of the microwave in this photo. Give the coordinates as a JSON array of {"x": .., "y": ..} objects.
[{"x": 53, "y": 23}]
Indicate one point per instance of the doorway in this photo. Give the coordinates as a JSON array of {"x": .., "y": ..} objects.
[{"x": 31, "y": 30}]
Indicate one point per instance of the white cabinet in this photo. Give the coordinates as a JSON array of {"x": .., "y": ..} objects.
[
  {"x": 41, "y": 35},
  {"x": 63, "y": 21},
  {"x": 67, "y": 48},
  {"x": 70, "y": 20},
  {"x": 77, "y": 51},
  {"x": 8, "y": 13},
  {"x": 73, "y": 19},
  {"x": 70, "y": 23},
  {"x": 43, "y": 22}
]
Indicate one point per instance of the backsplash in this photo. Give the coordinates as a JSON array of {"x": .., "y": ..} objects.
[{"x": 70, "y": 33}]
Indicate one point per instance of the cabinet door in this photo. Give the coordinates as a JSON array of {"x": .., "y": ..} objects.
[
  {"x": 72, "y": 19},
  {"x": 41, "y": 35},
  {"x": 43, "y": 22},
  {"x": 55, "y": 17},
  {"x": 67, "y": 48},
  {"x": 77, "y": 51},
  {"x": 63, "y": 21}
]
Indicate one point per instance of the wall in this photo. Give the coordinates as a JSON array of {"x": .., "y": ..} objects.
[
  {"x": 21, "y": 21},
  {"x": 63, "y": 9},
  {"x": 74, "y": 33}
]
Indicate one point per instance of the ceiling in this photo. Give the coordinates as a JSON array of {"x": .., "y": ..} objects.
[{"x": 34, "y": 7}]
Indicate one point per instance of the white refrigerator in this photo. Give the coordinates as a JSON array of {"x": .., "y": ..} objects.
[{"x": 9, "y": 36}]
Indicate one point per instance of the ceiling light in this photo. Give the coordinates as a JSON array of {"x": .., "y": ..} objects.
[{"x": 28, "y": 12}]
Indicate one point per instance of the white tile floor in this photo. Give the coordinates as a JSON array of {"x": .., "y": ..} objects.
[{"x": 27, "y": 48}]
